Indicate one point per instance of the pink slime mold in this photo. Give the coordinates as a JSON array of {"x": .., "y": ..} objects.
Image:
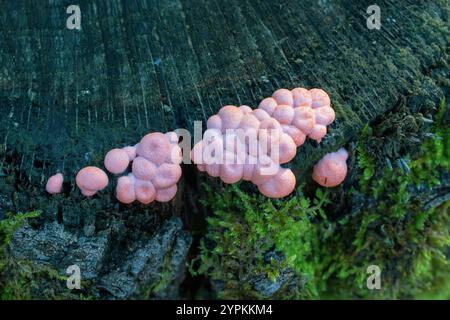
[
  {"x": 90, "y": 180},
  {"x": 54, "y": 184},
  {"x": 331, "y": 170},
  {"x": 289, "y": 117}
]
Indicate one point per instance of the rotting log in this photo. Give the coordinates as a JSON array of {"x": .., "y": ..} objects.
[{"x": 68, "y": 96}]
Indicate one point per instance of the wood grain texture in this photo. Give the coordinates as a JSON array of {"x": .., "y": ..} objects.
[{"x": 136, "y": 66}]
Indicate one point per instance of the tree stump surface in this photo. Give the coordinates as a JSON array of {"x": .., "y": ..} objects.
[{"x": 137, "y": 66}]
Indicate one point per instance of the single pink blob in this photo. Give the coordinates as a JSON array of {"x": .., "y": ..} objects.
[
  {"x": 284, "y": 96},
  {"x": 154, "y": 147},
  {"x": 117, "y": 161},
  {"x": 248, "y": 170},
  {"x": 260, "y": 114},
  {"x": 175, "y": 155},
  {"x": 91, "y": 179},
  {"x": 245, "y": 109},
  {"x": 318, "y": 132},
  {"x": 213, "y": 170},
  {"x": 264, "y": 170},
  {"x": 304, "y": 119},
  {"x": 214, "y": 122},
  {"x": 125, "y": 192},
  {"x": 302, "y": 97},
  {"x": 324, "y": 115},
  {"x": 268, "y": 105},
  {"x": 172, "y": 136},
  {"x": 280, "y": 185},
  {"x": 54, "y": 184},
  {"x": 296, "y": 134},
  {"x": 231, "y": 117},
  {"x": 231, "y": 173},
  {"x": 319, "y": 98},
  {"x": 287, "y": 149},
  {"x": 143, "y": 169},
  {"x": 331, "y": 170},
  {"x": 249, "y": 122},
  {"x": 284, "y": 114},
  {"x": 166, "y": 176},
  {"x": 131, "y": 152},
  {"x": 145, "y": 191},
  {"x": 165, "y": 195}
]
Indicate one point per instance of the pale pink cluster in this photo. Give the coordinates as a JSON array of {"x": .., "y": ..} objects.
[
  {"x": 155, "y": 168},
  {"x": 279, "y": 125},
  {"x": 302, "y": 113},
  {"x": 331, "y": 170}
]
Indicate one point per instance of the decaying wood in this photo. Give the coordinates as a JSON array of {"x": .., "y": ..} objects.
[{"x": 68, "y": 96}]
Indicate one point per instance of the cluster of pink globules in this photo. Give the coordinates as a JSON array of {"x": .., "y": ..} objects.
[
  {"x": 155, "y": 168},
  {"x": 280, "y": 125}
]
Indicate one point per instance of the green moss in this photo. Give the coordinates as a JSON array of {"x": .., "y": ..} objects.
[
  {"x": 23, "y": 280},
  {"x": 244, "y": 228},
  {"x": 393, "y": 230}
]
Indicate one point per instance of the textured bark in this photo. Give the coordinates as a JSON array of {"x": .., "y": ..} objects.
[{"x": 68, "y": 96}]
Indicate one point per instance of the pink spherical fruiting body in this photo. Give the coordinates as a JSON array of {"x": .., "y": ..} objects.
[
  {"x": 154, "y": 147},
  {"x": 91, "y": 179},
  {"x": 117, "y": 161},
  {"x": 54, "y": 184},
  {"x": 331, "y": 170}
]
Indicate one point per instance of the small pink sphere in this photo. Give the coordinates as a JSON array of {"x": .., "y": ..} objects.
[
  {"x": 331, "y": 170},
  {"x": 231, "y": 117},
  {"x": 318, "y": 132},
  {"x": 214, "y": 122},
  {"x": 302, "y": 97},
  {"x": 245, "y": 109},
  {"x": 324, "y": 115},
  {"x": 213, "y": 170},
  {"x": 175, "y": 155},
  {"x": 91, "y": 179},
  {"x": 260, "y": 114},
  {"x": 145, "y": 191},
  {"x": 248, "y": 170},
  {"x": 268, "y": 105},
  {"x": 264, "y": 170},
  {"x": 154, "y": 147},
  {"x": 304, "y": 119},
  {"x": 143, "y": 168},
  {"x": 125, "y": 192},
  {"x": 131, "y": 152},
  {"x": 319, "y": 98},
  {"x": 172, "y": 136},
  {"x": 167, "y": 175},
  {"x": 231, "y": 173},
  {"x": 249, "y": 122},
  {"x": 280, "y": 185},
  {"x": 287, "y": 149},
  {"x": 54, "y": 184},
  {"x": 296, "y": 134},
  {"x": 165, "y": 195},
  {"x": 284, "y": 96},
  {"x": 284, "y": 114},
  {"x": 117, "y": 161}
]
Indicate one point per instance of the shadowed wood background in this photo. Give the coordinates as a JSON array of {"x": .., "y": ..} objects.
[{"x": 68, "y": 96}]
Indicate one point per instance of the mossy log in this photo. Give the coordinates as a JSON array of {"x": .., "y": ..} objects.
[{"x": 68, "y": 96}]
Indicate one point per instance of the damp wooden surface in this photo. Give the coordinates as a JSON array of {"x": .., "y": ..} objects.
[{"x": 68, "y": 96}]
